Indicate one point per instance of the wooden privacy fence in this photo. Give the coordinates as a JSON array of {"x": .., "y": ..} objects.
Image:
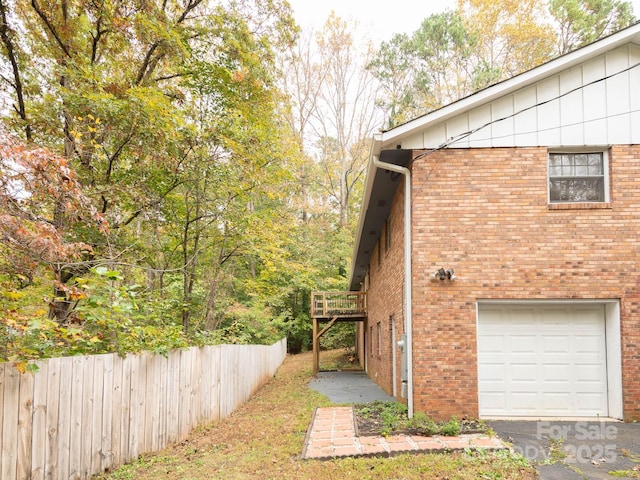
[{"x": 79, "y": 416}]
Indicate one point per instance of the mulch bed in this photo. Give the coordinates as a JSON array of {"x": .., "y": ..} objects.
[{"x": 373, "y": 425}]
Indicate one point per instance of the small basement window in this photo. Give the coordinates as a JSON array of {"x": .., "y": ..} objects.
[{"x": 578, "y": 177}]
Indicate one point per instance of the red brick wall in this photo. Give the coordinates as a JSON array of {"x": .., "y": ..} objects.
[
  {"x": 385, "y": 298},
  {"x": 484, "y": 212}
]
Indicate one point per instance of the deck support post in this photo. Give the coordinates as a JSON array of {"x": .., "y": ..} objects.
[
  {"x": 316, "y": 347},
  {"x": 316, "y": 341}
]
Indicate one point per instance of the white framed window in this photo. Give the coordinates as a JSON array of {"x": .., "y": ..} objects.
[
  {"x": 379, "y": 339},
  {"x": 579, "y": 176},
  {"x": 371, "y": 343}
]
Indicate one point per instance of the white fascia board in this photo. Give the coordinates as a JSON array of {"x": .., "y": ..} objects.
[{"x": 376, "y": 148}]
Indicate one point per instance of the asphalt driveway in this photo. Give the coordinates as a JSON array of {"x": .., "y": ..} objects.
[
  {"x": 349, "y": 387},
  {"x": 575, "y": 450}
]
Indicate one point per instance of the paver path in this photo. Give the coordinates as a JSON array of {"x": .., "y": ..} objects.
[{"x": 332, "y": 434}]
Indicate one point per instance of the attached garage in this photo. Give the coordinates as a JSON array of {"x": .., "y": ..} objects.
[{"x": 558, "y": 359}]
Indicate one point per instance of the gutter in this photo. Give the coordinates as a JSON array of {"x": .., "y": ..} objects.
[{"x": 408, "y": 321}]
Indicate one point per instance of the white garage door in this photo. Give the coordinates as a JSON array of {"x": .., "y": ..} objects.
[{"x": 542, "y": 360}]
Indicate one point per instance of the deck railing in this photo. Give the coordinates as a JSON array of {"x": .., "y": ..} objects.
[{"x": 329, "y": 304}]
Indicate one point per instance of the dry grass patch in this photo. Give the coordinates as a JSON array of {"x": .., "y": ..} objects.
[{"x": 264, "y": 438}]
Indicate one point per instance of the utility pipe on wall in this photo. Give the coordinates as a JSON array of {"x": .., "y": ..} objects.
[{"x": 408, "y": 322}]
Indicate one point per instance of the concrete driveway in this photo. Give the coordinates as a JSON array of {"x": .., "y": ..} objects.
[{"x": 575, "y": 450}]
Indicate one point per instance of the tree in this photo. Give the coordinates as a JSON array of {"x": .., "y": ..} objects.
[
  {"x": 346, "y": 113},
  {"x": 8, "y": 38},
  {"x": 32, "y": 182},
  {"x": 393, "y": 66},
  {"x": 580, "y": 22},
  {"x": 511, "y": 36},
  {"x": 444, "y": 51},
  {"x": 168, "y": 112}
]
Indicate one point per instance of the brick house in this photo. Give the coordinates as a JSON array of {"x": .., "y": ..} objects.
[{"x": 520, "y": 295}]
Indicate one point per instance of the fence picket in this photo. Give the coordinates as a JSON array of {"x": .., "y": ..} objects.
[
  {"x": 64, "y": 417},
  {"x": 104, "y": 445},
  {"x": 86, "y": 424},
  {"x": 10, "y": 423},
  {"x": 2, "y": 368},
  {"x": 95, "y": 462},
  {"x": 115, "y": 449},
  {"x": 125, "y": 416},
  {"x": 38, "y": 433},
  {"x": 134, "y": 408},
  {"x": 52, "y": 427},
  {"x": 173, "y": 384},
  {"x": 25, "y": 426}
]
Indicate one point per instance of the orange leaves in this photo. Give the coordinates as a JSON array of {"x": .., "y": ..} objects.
[
  {"x": 72, "y": 292},
  {"x": 41, "y": 202}
]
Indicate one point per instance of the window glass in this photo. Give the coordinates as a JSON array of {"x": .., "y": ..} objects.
[{"x": 576, "y": 177}]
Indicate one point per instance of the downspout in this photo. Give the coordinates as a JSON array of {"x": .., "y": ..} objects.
[{"x": 408, "y": 322}]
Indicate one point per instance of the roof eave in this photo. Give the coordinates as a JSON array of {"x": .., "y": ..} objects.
[{"x": 628, "y": 35}]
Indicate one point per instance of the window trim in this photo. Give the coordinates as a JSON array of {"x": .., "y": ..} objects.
[
  {"x": 605, "y": 169},
  {"x": 372, "y": 339}
]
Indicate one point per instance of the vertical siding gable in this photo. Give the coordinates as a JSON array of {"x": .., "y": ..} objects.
[
  {"x": 618, "y": 97},
  {"x": 601, "y": 113},
  {"x": 502, "y": 128},
  {"x": 526, "y": 132},
  {"x": 595, "y": 104},
  {"x": 634, "y": 93},
  {"x": 572, "y": 106},
  {"x": 549, "y": 113},
  {"x": 477, "y": 118},
  {"x": 457, "y": 126},
  {"x": 433, "y": 136}
]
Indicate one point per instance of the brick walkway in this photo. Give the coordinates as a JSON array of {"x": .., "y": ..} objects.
[{"x": 332, "y": 434}]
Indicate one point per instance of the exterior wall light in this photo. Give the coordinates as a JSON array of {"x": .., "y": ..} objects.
[{"x": 443, "y": 274}]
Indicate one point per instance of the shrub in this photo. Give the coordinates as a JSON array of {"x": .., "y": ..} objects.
[
  {"x": 452, "y": 428},
  {"x": 422, "y": 421}
]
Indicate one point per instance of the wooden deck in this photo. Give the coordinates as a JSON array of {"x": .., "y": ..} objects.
[{"x": 334, "y": 307}]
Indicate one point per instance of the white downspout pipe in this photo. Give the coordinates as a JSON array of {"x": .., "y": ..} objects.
[{"x": 408, "y": 322}]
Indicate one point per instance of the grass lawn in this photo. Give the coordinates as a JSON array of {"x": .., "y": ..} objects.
[{"x": 263, "y": 440}]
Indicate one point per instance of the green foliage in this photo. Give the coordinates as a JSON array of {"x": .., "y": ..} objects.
[
  {"x": 242, "y": 325},
  {"x": 582, "y": 22},
  {"x": 393, "y": 417},
  {"x": 451, "y": 428},
  {"x": 108, "y": 318},
  {"x": 340, "y": 335},
  {"x": 422, "y": 421}
]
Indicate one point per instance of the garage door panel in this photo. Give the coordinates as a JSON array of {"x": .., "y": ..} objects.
[
  {"x": 496, "y": 400},
  {"x": 493, "y": 344},
  {"x": 522, "y": 401},
  {"x": 554, "y": 372},
  {"x": 591, "y": 344},
  {"x": 523, "y": 371},
  {"x": 591, "y": 374},
  {"x": 589, "y": 402},
  {"x": 556, "y": 401},
  {"x": 555, "y": 344},
  {"x": 492, "y": 372},
  {"x": 542, "y": 360},
  {"x": 521, "y": 343}
]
